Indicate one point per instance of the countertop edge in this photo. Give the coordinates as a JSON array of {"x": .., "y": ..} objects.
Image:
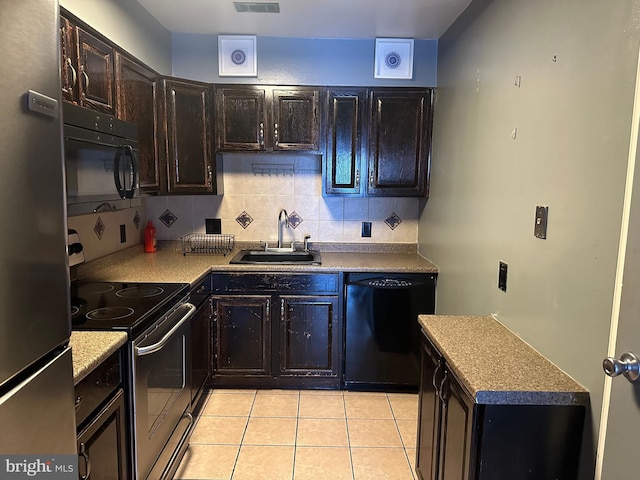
[
  {"x": 90, "y": 348},
  {"x": 477, "y": 375}
]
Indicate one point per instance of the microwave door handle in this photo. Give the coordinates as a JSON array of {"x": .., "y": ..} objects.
[
  {"x": 128, "y": 150},
  {"x": 116, "y": 173}
]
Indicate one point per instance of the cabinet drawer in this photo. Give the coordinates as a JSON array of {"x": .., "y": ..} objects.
[
  {"x": 276, "y": 282},
  {"x": 96, "y": 387}
]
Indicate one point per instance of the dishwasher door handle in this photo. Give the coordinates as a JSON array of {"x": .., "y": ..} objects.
[{"x": 141, "y": 351}]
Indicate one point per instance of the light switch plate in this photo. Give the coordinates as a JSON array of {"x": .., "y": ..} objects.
[
  {"x": 502, "y": 277},
  {"x": 540, "y": 225}
]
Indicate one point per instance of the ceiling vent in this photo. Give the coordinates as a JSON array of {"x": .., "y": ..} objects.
[{"x": 257, "y": 7}]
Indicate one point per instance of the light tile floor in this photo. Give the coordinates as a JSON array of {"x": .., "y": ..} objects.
[{"x": 303, "y": 435}]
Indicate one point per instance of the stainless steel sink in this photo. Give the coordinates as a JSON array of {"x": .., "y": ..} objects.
[{"x": 257, "y": 257}]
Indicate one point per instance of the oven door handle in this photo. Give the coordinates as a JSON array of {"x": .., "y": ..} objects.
[{"x": 141, "y": 351}]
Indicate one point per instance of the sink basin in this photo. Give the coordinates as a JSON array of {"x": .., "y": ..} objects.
[{"x": 257, "y": 257}]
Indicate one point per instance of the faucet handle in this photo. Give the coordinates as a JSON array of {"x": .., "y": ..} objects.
[
  {"x": 266, "y": 245},
  {"x": 306, "y": 242}
]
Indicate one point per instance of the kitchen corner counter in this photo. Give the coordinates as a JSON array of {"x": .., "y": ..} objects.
[
  {"x": 168, "y": 264},
  {"x": 89, "y": 349},
  {"x": 496, "y": 366}
]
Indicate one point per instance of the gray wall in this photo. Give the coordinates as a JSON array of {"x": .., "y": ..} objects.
[
  {"x": 577, "y": 61},
  {"x": 128, "y": 25},
  {"x": 301, "y": 61}
]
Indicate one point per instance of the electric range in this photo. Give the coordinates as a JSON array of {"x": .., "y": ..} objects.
[
  {"x": 123, "y": 306},
  {"x": 157, "y": 318}
]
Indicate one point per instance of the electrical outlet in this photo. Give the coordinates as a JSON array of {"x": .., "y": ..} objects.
[
  {"x": 366, "y": 229},
  {"x": 123, "y": 233},
  {"x": 540, "y": 225},
  {"x": 212, "y": 225},
  {"x": 502, "y": 277}
]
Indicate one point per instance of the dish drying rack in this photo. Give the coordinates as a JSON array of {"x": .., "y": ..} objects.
[{"x": 206, "y": 243}]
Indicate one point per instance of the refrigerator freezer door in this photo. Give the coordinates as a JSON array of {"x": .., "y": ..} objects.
[
  {"x": 37, "y": 415},
  {"x": 34, "y": 278}
]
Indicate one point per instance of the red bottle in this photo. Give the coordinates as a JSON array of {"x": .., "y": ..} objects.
[{"x": 150, "y": 241}]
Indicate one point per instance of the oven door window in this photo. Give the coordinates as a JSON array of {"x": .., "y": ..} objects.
[{"x": 163, "y": 379}]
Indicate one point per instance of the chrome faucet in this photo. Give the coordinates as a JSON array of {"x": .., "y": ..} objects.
[{"x": 280, "y": 223}]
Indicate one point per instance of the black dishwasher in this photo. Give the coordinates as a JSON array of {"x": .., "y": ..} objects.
[{"x": 382, "y": 350}]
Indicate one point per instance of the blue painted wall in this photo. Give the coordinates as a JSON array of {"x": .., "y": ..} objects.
[{"x": 301, "y": 61}]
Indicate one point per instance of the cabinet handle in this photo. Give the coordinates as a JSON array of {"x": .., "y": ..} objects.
[
  {"x": 201, "y": 289},
  {"x": 82, "y": 451},
  {"x": 282, "y": 309},
  {"x": 210, "y": 174},
  {"x": 371, "y": 179},
  {"x": 443, "y": 397},
  {"x": 268, "y": 308},
  {"x": 261, "y": 134},
  {"x": 433, "y": 379},
  {"x": 357, "y": 185},
  {"x": 74, "y": 75},
  {"x": 86, "y": 80},
  {"x": 275, "y": 133}
]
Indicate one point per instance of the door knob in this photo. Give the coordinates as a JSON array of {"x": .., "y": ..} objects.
[{"x": 628, "y": 365}]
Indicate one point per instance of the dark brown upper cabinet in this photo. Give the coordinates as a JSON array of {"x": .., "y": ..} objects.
[
  {"x": 342, "y": 165},
  {"x": 87, "y": 68},
  {"x": 189, "y": 159},
  {"x": 400, "y": 122},
  {"x": 68, "y": 60},
  {"x": 137, "y": 101},
  {"x": 261, "y": 118}
]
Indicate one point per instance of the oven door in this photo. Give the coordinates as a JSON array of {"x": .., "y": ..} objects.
[{"x": 163, "y": 423}]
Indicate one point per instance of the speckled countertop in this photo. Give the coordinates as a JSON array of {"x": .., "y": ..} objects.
[
  {"x": 169, "y": 265},
  {"x": 496, "y": 366},
  {"x": 90, "y": 349}
]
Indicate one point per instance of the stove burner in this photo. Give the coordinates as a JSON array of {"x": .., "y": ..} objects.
[
  {"x": 140, "y": 291},
  {"x": 110, "y": 313},
  {"x": 95, "y": 288},
  {"x": 74, "y": 310}
]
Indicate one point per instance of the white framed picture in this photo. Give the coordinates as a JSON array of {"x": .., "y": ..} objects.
[
  {"x": 394, "y": 58},
  {"x": 237, "y": 56}
]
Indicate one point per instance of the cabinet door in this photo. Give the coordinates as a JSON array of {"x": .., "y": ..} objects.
[
  {"x": 343, "y": 156},
  {"x": 399, "y": 142},
  {"x": 295, "y": 119},
  {"x": 103, "y": 444},
  {"x": 96, "y": 80},
  {"x": 242, "y": 334},
  {"x": 189, "y": 158},
  {"x": 456, "y": 431},
  {"x": 240, "y": 118},
  {"x": 429, "y": 412},
  {"x": 68, "y": 60},
  {"x": 309, "y": 335},
  {"x": 137, "y": 90}
]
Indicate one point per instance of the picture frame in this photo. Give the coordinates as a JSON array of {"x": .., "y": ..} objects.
[
  {"x": 394, "y": 58},
  {"x": 237, "y": 56}
]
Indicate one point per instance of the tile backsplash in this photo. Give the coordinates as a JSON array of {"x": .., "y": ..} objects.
[
  {"x": 100, "y": 232},
  {"x": 258, "y": 186}
]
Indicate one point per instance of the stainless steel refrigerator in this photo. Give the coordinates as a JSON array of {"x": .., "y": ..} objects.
[{"x": 36, "y": 373}]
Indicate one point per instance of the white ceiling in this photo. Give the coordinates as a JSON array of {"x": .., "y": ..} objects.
[{"x": 420, "y": 19}]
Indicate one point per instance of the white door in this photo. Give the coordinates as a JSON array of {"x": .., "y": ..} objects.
[{"x": 618, "y": 446}]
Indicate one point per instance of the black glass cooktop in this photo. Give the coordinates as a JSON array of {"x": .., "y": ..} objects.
[{"x": 120, "y": 305}]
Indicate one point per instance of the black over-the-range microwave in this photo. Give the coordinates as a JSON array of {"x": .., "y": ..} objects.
[{"x": 101, "y": 161}]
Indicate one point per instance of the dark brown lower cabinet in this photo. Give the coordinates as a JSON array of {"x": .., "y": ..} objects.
[
  {"x": 102, "y": 447},
  {"x": 277, "y": 330},
  {"x": 459, "y": 439}
]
